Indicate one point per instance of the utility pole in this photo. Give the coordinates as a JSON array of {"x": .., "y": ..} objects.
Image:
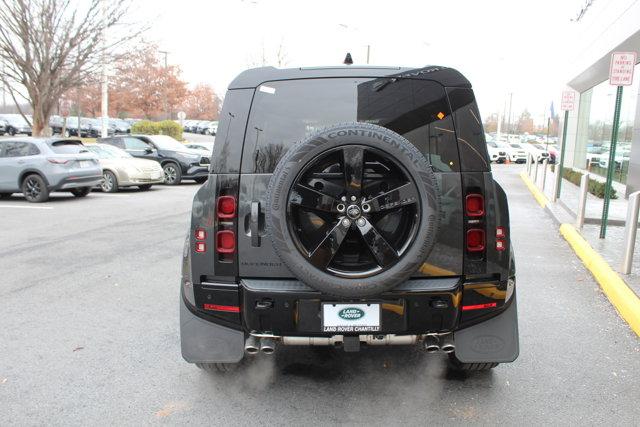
[
  {"x": 105, "y": 81},
  {"x": 166, "y": 102},
  {"x": 510, "y": 102},
  {"x": 78, "y": 129}
]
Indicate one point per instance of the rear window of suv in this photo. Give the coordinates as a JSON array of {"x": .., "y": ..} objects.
[
  {"x": 68, "y": 147},
  {"x": 286, "y": 112}
]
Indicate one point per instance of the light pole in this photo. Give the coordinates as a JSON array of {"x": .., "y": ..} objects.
[
  {"x": 166, "y": 102},
  {"x": 105, "y": 81}
]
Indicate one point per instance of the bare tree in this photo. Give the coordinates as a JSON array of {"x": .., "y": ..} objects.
[
  {"x": 280, "y": 58},
  {"x": 51, "y": 46}
]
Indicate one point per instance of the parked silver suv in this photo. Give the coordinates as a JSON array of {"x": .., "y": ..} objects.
[{"x": 37, "y": 167}]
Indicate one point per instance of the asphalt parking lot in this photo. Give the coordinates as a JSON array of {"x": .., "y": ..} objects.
[{"x": 89, "y": 303}]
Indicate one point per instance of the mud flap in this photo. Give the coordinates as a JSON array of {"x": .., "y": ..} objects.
[
  {"x": 206, "y": 342},
  {"x": 494, "y": 340}
]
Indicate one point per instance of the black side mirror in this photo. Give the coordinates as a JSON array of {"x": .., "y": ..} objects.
[{"x": 148, "y": 150}]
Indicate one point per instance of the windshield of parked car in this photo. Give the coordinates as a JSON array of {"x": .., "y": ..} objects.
[
  {"x": 515, "y": 145},
  {"x": 68, "y": 147},
  {"x": 538, "y": 146},
  {"x": 492, "y": 144},
  {"x": 165, "y": 142}
]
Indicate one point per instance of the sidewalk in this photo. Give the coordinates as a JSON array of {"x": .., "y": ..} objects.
[
  {"x": 610, "y": 248},
  {"x": 601, "y": 256}
]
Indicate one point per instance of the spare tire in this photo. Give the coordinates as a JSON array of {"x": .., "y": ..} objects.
[{"x": 353, "y": 210}]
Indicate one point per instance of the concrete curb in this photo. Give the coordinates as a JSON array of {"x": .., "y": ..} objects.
[
  {"x": 540, "y": 198},
  {"x": 625, "y": 301},
  {"x": 621, "y": 296}
]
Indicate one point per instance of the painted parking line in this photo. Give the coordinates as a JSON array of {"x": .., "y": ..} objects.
[
  {"x": 25, "y": 207},
  {"x": 98, "y": 195}
]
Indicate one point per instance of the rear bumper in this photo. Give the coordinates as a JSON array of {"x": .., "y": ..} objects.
[
  {"x": 210, "y": 336},
  {"x": 77, "y": 181},
  {"x": 291, "y": 308},
  {"x": 196, "y": 172}
]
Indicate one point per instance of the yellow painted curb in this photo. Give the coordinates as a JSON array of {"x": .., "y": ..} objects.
[
  {"x": 540, "y": 198},
  {"x": 623, "y": 299}
]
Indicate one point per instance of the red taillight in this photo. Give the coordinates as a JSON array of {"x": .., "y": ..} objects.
[
  {"x": 226, "y": 207},
  {"x": 501, "y": 233},
  {"x": 479, "y": 306},
  {"x": 474, "y": 204},
  {"x": 226, "y": 242},
  {"x": 501, "y": 245},
  {"x": 200, "y": 234},
  {"x": 475, "y": 240},
  {"x": 201, "y": 247},
  {"x": 227, "y": 308}
]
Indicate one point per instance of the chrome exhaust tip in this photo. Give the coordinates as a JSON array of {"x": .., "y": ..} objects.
[
  {"x": 251, "y": 345},
  {"x": 267, "y": 345},
  {"x": 431, "y": 344},
  {"x": 447, "y": 344}
]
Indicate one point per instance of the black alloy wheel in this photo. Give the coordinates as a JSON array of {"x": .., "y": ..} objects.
[
  {"x": 353, "y": 211},
  {"x": 35, "y": 189}
]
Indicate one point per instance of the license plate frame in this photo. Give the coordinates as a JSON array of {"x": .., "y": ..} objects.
[{"x": 351, "y": 318}]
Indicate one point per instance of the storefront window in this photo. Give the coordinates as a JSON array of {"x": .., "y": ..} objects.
[{"x": 595, "y": 120}]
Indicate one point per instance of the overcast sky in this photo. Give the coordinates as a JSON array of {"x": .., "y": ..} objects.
[{"x": 501, "y": 46}]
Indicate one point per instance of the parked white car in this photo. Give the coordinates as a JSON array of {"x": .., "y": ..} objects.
[
  {"x": 515, "y": 152},
  {"x": 496, "y": 153},
  {"x": 537, "y": 151}
]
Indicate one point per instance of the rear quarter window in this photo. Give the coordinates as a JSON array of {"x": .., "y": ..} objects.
[
  {"x": 19, "y": 149},
  {"x": 472, "y": 145}
]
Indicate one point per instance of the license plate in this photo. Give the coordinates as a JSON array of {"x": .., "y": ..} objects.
[
  {"x": 85, "y": 163},
  {"x": 341, "y": 318}
]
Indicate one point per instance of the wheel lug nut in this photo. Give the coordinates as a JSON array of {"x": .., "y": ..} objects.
[
  {"x": 346, "y": 222},
  {"x": 353, "y": 198},
  {"x": 343, "y": 198},
  {"x": 340, "y": 207},
  {"x": 360, "y": 222},
  {"x": 366, "y": 208}
]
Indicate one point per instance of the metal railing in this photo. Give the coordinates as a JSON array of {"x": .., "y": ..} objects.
[
  {"x": 633, "y": 208},
  {"x": 630, "y": 231}
]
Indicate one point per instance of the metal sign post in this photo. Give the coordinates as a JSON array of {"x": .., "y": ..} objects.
[
  {"x": 620, "y": 75},
  {"x": 568, "y": 104}
]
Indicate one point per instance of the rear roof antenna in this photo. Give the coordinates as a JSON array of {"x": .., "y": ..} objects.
[{"x": 348, "y": 60}]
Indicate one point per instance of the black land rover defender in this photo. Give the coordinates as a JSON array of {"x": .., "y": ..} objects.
[{"x": 349, "y": 206}]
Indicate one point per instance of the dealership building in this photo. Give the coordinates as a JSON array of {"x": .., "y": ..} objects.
[{"x": 599, "y": 28}]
